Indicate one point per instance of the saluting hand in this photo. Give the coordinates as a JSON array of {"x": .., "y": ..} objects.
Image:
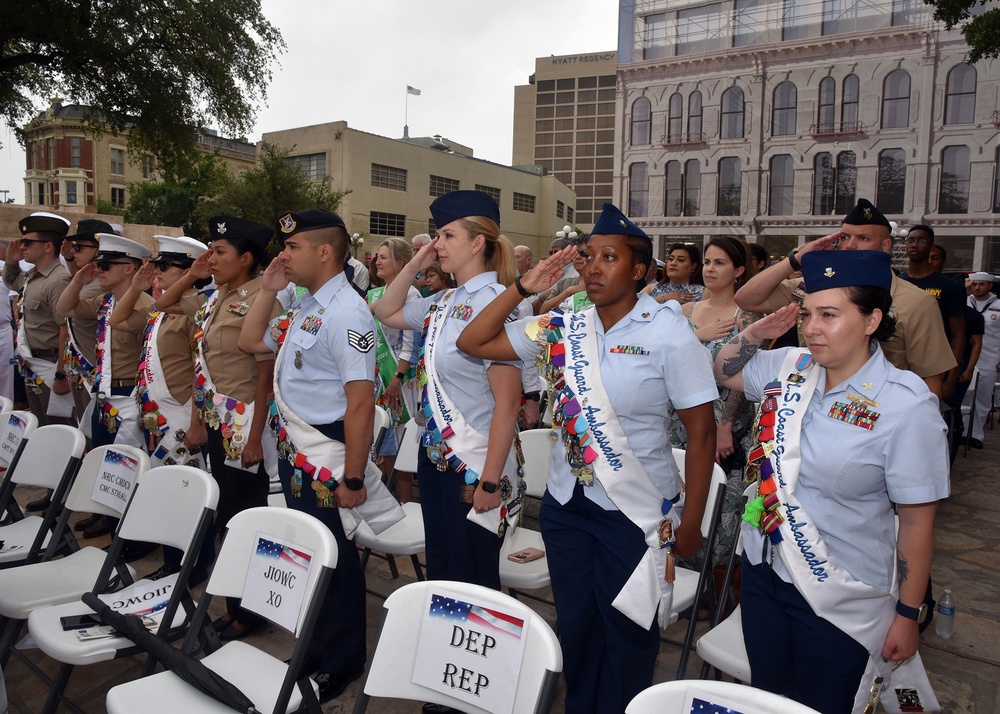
[
  {"x": 15, "y": 250},
  {"x": 426, "y": 256},
  {"x": 201, "y": 268},
  {"x": 275, "y": 277},
  {"x": 774, "y": 325},
  {"x": 85, "y": 274},
  {"x": 547, "y": 273},
  {"x": 143, "y": 278},
  {"x": 824, "y": 243}
]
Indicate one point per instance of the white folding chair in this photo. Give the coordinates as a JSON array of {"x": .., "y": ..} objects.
[
  {"x": 267, "y": 681},
  {"x": 387, "y": 673},
  {"x": 407, "y": 536},
  {"x": 14, "y": 426},
  {"x": 170, "y": 505},
  {"x": 49, "y": 457},
  {"x": 53, "y": 582},
  {"x": 536, "y": 447},
  {"x": 6, "y": 404},
  {"x": 382, "y": 424},
  {"x": 690, "y": 585},
  {"x": 675, "y": 698}
]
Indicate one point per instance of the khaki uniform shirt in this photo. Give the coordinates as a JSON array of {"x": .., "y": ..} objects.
[
  {"x": 41, "y": 321},
  {"x": 84, "y": 330},
  {"x": 173, "y": 343},
  {"x": 233, "y": 371},
  {"x": 919, "y": 343},
  {"x": 126, "y": 345}
]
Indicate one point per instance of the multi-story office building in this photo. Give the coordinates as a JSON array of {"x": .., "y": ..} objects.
[
  {"x": 564, "y": 121},
  {"x": 769, "y": 118},
  {"x": 69, "y": 168},
  {"x": 392, "y": 182}
]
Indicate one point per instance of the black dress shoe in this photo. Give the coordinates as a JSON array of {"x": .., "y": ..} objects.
[
  {"x": 135, "y": 550},
  {"x": 439, "y": 709},
  {"x": 98, "y": 529},
  {"x": 236, "y": 631},
  {"x": 41, "y": 504},
  {"x": 332, "y": 686},
  {"x": 197, "y": 577},
  {"x": 92, "y": 520},
  {"x": 974, "y": 443}
]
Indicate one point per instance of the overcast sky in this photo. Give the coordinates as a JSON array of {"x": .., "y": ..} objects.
[{"x": 352, "y": 61}]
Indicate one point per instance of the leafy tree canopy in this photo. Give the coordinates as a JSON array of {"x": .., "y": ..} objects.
[
  {"x": 160, "y": 69},
  {"x": 980, "y": 29}
]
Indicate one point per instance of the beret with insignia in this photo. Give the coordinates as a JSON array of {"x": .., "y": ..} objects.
[{"x": 289, "y": 223}]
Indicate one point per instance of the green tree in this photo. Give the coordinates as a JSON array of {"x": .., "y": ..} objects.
[
  {"x": 981, "y": 31},
  {"x": 276, "y": 185},
  {"x": 174, "y": 200},
  {"x": 159, "y": 70}
]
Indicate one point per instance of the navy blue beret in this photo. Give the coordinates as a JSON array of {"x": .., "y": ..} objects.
[
  {"x": 462, "y": 204},
  {"x": 825, "y": 269},
  {"x": 224, "y": 227},
  {"x": 613, "y": 222}
]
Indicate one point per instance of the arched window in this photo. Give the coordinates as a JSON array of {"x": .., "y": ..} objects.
[
  {"x": 731, "y": 126},
  {"x": 641, "y": 119},
  {"x": 638, "y": 190},
  {"x": 849, "y": 104},
  {"x": 822, "y": 203},
  {"x": 783, "y": 109},
  {"x": 960, "y": 101},
  {"x": 955, "y": 172},
  {"x": 891, "y": 181},
  {"x": 826, "y": 116},
  {"x": 675, "y": 119},
  {"x": 674, "y": 194},
  {"x": 847, "y": 182},
  {"x": 692, "y": 187},
  {"x": 694, "y": 116},
  {"x": 896, "y": 100},
  {"x": 729, "y": 201},
  {"x": 782, "y": 186}
]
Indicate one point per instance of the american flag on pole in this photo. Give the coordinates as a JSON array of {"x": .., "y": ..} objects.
[
  {"x": 288, "y": 556},
  {"x": 412, "y": 90},
  {"x": 493, "y": 620}
]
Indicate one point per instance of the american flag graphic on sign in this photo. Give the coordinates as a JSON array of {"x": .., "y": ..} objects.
[{"x": 484, "y": 618}]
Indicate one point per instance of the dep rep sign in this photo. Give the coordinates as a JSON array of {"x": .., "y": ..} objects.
[{"x": 470, "y": 651}]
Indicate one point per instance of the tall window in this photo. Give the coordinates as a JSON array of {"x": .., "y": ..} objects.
[
  {"x": 960, "y": 101},
  {"x": 71, "y": 193},
  {"x": 694, "y": 116},
  {"x": 117, "y": 161},
  {"x": 730, "y": 185},
  {"x": 118, "y": 197},
  {"x": 847, "y": 182},
  {"x": 795, "y": 19},
  {"x": 896, "y": 100},
  {"x": 955, "y": 171},
  {"x": 674, "y": 197},
  {"x": 822, "y": 199},
  {"x": 782, "y": 186},
  {"x": 849, "y": 104},
  {"x": 692, "y": 187},
  {"x": 783, "y": 110},
  {"x": 891, "y": 181},
  {"x": 827, "y": 101},
  {"x": 731, "y": 126},
  {"x": 654, "y": 36},
  {"x": 848, "y": 16},
  {"x": 440, "y": 185},
  {"x": 699, "y": 29},
  {"x": 312, "y": 166},
  {"x": 388, "y": 177},
  {"x": 74, "y": 152},
  {"x": 387, "y": 224},
  {"x": 638, "y": 190},
  {"x": 747, "y": 21},
  {"x": 50, "y": 151},
  {"x": 675, "y": 119},
  {"x": 641, "y": 118}
]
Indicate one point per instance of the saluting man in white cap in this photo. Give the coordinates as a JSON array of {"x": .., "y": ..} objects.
[{"x": 986, "y": 303}]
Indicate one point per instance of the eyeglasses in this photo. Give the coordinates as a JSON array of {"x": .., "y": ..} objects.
[
  {"x": 33, "y": 240},
  {"x": 106, "y": 264},
  {"x": 82, "y": 246},
  {"x": 916, "y": 241},
  {"x": 165, "y": 266}
]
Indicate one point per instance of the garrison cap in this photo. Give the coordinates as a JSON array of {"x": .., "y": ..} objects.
[
  {"x": 43, "y": 221},
  {"x": 462, "y": 204},
  {"x": 613, "y": 222},
  {"x": 825, "y": 269}
]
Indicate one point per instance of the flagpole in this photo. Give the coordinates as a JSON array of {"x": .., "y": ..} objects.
[{"x": 406, "y": 112}]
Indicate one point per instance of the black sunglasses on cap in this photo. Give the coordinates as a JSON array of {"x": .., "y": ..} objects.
[
  {"x": 164, "y": 265},
  {"x": 83, "y": 246},
  {"x": 106, "y": 264}
]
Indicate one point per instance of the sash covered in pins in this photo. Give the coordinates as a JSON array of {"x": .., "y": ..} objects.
[
  {"x": 858, "y": 609},
  {"x": 322, "y": 459},
  {"x": 114, "y": 411},
  {"x": 163, "y": 419},
  {"x": 36, "y": 372},
  {"x": 450, "y": 440},
  {"x": 597, "y": 447},
  {"x": 227, "y": 414},
  {"x": 75, "y": 364},
  {"x": 385, "y": 369}
]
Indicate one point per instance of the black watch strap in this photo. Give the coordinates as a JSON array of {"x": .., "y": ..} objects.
[
  {"x": 488, "y": 486},
  {"x": 401, "y": 376},
  {"x": 354, "y": 484},
  {"x": 520, "y": 288},
  {"x": 917, "y": 614},
  {"x": 794, "y": 261}
]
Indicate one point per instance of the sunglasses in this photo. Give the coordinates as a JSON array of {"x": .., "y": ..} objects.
[
  {"x": 106, "y": 264},
  {"x": 165, "y": 266},
  {"x": 34, "y": 240},
  {"x": 82, "y": 246}
]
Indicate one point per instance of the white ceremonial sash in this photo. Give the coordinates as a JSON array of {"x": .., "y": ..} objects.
[
  {"x": 86, "y": 375},
  {"x": 104, "y": 345},
  {"x": 468, "y": 444},
  {"x": 178, "y": 415},
  {"x": 268, "y": 444},
  {"x": 620, "y": 473},
  {"x": 856, "y": 608},
  {"x": 60, "y": 405},
  {"x": 23, "y": 349},
  {"x": 128, "y": 411},
  {"x": 380, "y": 509}
]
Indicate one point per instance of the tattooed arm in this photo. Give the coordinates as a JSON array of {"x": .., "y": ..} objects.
[
  {"x": 733, "y": 357},
  {"x": 914, "y": 546}
]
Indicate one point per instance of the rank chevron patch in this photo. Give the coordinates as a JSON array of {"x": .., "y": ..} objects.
[{"x": 362, "y": 343}]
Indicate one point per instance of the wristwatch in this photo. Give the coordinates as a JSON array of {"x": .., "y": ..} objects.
[
  {"x": 532, "y": 396},
  {"x": 521, "y": 289},
  {"x": 401, "y": 376},
  {"x": 918, "y": 614},
  {"x": 354, "y": 484},
  {"x": 793, "y": 261},
  {"x": 60, "y": 375},
  {"x": 488, "y": 486}
]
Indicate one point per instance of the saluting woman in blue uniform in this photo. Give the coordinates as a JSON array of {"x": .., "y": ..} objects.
[
  {"x": 845, "y": 442},
  {"x": 608, "y": 519}
]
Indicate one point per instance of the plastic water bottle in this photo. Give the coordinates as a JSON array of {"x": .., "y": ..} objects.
[{"x": 945, "y": 626}]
